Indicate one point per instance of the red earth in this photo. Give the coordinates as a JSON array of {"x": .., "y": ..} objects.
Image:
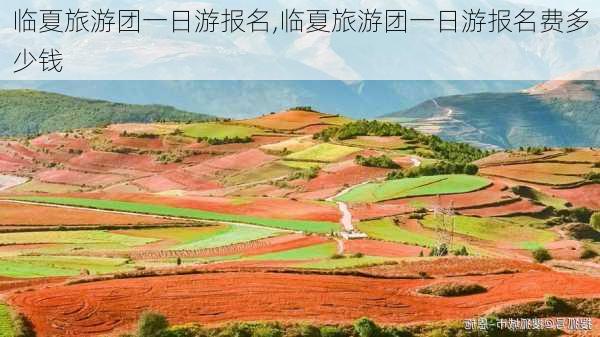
[
  {"x": 108, "y": 307},
  {"x": 346, "y": 175},
  {"x": 241, "y": 161},
  {"x": 78, "y": 178},
  {"x": 19, "y": 214},
  {"x": 382, "y": 248},
  {"x": 515, "y": 208}
]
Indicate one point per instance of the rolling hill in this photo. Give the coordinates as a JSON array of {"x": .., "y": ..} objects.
[
  {"x": 359, "y": 99},
  {"x": 560, "y": 113},
  {"x": 29, "y": 112}
]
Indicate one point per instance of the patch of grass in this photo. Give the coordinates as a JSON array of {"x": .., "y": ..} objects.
[
  {"x": 233, "y": 235},
  {"x": 385, "y": 229},
  {"x": 44, "y": 266},
  {"x": 214, "y": 130},
  {"x": 494, "y": 229},
  {"x": 6, "y": 322},
  {"x": 319, "y": 251},
  {"x": 134, "y": 207},
  {"x": 181, "y": 235},
  {"x": 324, "y": 152},
  {"x": 453, "y": 289},
  {"x": 86, "y": 237},
  {"x": 411, "y": 187}
]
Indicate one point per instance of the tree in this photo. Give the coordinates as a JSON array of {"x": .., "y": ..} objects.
[
  {"x": 471, "y": 169},
  {"x": 595, "y": 221},
  {"x": 366, "y": 328},
  {"x": 152, "y": 324}
]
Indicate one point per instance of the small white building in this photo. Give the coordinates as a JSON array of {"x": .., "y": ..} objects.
[{"x": 353, "y": 235}]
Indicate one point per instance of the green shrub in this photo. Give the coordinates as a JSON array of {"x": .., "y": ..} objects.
[
  {"x": 22, "y": 326},
  {"x": 237, "y": 330},
  {"x": 453, "y": 289},
  {"x": 588, "y": 253},
  {"x": 365, "y": 327},
  {"x": 186, "y": 331},
  {"x": 382, "y": 162},
  {"x": 556, "y": 305},
  {"x": 461, "y": 252},
  {"x": 266, "y": 331},
  {"x": 331, "y": 331},
  {"x": 396, "y": 332},
  {"x": 541, "y": 255},
  {"x": 303, "y": 330},
  {"x": 595, "y": 221},
  {"x": 152, "y": 324}
]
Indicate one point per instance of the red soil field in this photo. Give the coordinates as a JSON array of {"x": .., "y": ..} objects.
[
  {"x": 241, "y": 161},
  {"x": 262, "y": 207},
  {"x": 288, "y": 120},
  {"x": 17, "y": 214},
  {"x": 191, "y": 181},
  {"x": 10, "y": 166},
  {"x": 57, "y": 140},
  {"x": 158, "y": 183},
  {"x": 584, "y": 196},
  {"x": 135, "y": 142},
  {"x": 78, "y": 178},
  {"x": 109, "y": 160},
  {"x": 106, "y": 307},
  {"x": 515, "y": 208},
  {"x": 350, "y": 175},
  {"x": 382, "y": 248},
  {"x": 312, "y": 129}
]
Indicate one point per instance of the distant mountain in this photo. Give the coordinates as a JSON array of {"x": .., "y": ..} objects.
[
  {"x": 29, "y": 112},
  {"x": 246, "y": 99},
  {"x": 564, "y": 112}
]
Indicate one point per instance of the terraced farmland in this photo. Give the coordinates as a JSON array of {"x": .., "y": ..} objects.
[
  {"x": 6, "y": 323},
  {"x": 414, "y": 187},
  {"x": 219, "y": 130},
  {"x": 308, "y": 226},
  {"x": 323, "y": 153}
]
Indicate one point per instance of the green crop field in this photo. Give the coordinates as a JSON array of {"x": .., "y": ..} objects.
[
  {"x": 73, "y": 237},
  {"x": 495, "y": 229},
  {"x": 178, "y": 235},
  {"x": 219, "y": 130},
  {"x": 325, "y": 152},
  {"x": 134, "y": 207},
  {"x": 412, "y": 187},
  {"x": 6, "y": 323},
  {"x": 320, "y": 251},
  {"x": 385, "y": 229},
  {"x": 44, "y": 266},
  {"x": 232, "y": 235}
]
